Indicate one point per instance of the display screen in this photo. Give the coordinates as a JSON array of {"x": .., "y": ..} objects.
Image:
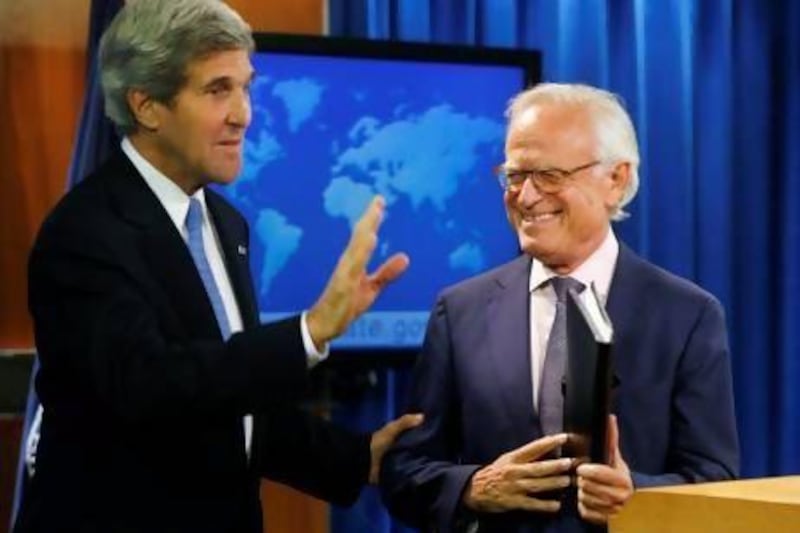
[{"x": 335, "y": 123}]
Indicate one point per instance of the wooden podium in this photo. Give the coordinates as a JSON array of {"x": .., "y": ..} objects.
[{"x": 769, "y": 504}]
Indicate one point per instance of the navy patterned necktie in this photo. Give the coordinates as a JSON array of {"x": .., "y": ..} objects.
[
  {"x": 194, "y": 225},
  {"x": 551, "y": 398}
]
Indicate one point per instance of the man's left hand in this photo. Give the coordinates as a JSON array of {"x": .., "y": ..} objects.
[
  {"x": 604, "y": 489},
  {"x": 384, "y": 437}
]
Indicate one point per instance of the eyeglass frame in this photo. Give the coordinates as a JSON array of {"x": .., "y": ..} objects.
[{"x": 546, "y": 180}]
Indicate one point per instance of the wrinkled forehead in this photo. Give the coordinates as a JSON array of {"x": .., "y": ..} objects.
[
  {"x": 234, "y": 64},
  {"x": 551, "y": 127}
]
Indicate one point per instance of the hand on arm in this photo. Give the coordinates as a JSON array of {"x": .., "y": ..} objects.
[
  {"x": 604, "y": 489},
  {"x": 510, "y": 482},
  {"x": 350, "y": 290},
  {"x": 383, "y": 438}
]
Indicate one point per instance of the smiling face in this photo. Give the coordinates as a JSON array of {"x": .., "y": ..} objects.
[
  {"x": 562, "y": 228},
  {"x": 197, "y": 138}
]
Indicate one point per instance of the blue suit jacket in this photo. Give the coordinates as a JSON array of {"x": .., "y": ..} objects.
[{"x": 674, "y": 402}]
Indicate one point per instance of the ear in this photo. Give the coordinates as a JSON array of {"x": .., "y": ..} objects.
[
  {"x": 619, "y": 179},
  {"x": 145, "y": 109}
]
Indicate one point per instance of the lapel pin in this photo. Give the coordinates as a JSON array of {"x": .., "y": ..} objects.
[{"x": 242, "y": 249}]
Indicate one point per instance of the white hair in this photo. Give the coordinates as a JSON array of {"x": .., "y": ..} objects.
[{"x": 615, "y": 135}]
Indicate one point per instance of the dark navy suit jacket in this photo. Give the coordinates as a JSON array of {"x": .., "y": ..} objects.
[
  {"x": 143, "y": 401},
  {"x": 473, "y": 382}
]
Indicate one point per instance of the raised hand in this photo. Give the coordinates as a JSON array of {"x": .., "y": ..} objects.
[{"x": 350, "y": 290}]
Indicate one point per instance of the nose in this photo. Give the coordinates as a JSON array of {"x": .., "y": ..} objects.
[
  {"x": 240, "y": 113},
  {"x": 528, "y": 194}
]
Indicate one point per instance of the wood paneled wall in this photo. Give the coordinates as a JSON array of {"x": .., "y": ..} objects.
[
  {"x": 289, "y": 16},
  {"x": 42, "y": 64},
  {"x": 42, "y": 78}
]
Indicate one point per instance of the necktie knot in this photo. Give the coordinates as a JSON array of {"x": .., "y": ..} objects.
[
  {"x": 561, "y": 285},
  {"x": 194, "y": 217}
]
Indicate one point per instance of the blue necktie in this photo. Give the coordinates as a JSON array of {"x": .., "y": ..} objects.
[
  {"x": 551, "y": 398},
  {"x": 194, "y": 225}
]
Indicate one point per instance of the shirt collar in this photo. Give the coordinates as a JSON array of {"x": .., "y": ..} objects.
[
  {"x": 171, "y": 197},
  {"x": 598, "y": 268}
]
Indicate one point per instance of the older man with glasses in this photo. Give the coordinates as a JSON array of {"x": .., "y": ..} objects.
[{"x": 489, "y": 379}]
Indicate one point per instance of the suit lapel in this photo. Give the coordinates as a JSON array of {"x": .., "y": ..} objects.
[
  {"x": 233, "y": 238},
  {"x": 163, "y": 249},
  {"x": 509, "y": 333},
  {"x": 625, "y": 298}
]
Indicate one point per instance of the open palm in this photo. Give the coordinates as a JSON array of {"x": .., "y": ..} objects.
[{"x": 351, "y": 290}]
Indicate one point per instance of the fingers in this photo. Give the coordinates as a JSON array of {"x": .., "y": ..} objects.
[
  {"x": 598, "y": 504},
  {"x": 613, "y": 441},
  {"x": 602, "y": 475},
  {"x": 591, "y": 515},
  {"x": 383, "y": 438},
  {"x": 504, "y": 486},
  {"x": 362, "y": 245},
  {"x": 602, "y": 490},
  {"x": 389, "y": 270},
  {"x": 543, "y": 484},
  {"x": 405, "y": 422},
  {"x": 538, "y": 448},
  {"x": 528, "y": 503},
  {"x": 611, "y": 493},
  {"x": 371, "y": 220},
  {"x": 365, "y": 237},
  {"x": 540, "y": 469}
]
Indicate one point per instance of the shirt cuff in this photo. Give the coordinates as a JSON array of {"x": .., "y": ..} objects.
[{"x": 313, "y": 356}]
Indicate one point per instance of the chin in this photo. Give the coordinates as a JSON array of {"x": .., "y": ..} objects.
[
  {"x": 529, "y": 246},
  {"x": 536, "y": 248},
  {"x": 226, "y": 176}
]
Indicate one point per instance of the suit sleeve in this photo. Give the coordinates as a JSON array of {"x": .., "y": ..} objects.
[
  {"x": 304, "y": 451},
  {"x": 703, "y": 440},
  {"x": 421, "y": 480},
  {"x": 101, "y": 333}
]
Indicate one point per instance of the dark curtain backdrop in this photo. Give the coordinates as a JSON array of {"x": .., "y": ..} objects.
[
  {"x": 714, "y": 90},
  {"x": 94, "y": 138}
]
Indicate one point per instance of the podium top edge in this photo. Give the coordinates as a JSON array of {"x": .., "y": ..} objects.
[{"x": 785, "y": 489}]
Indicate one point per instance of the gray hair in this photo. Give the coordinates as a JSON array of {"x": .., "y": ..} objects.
[
  {"x": 616, "y": 137},
  {"x": 150, "y": 43}
]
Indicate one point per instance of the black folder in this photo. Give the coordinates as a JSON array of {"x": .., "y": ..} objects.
[{"x": 588, "y": 378}]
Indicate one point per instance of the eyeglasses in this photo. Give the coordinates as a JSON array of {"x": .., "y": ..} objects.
[{"x": 546, "y": 180}]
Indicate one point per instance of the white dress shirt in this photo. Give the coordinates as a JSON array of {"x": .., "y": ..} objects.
[
  {"x": 597, "y": 269},
  {"x": 176, "y": 203}
]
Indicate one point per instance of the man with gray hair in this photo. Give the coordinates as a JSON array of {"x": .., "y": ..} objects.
[
  {"x": 164, "y": 399},
  {"x": 490, "y": 372}
]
